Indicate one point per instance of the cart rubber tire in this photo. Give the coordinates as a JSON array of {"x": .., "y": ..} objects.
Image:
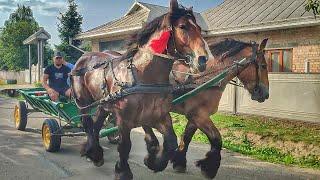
[
  {"x": 20, "y": 115},
  {"x": 11, "y": 81},
  {"x": 11, "y": 92},
  {"x": 51, "y": 142}
]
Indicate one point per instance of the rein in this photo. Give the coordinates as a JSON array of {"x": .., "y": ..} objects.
[
  {"x": 188, "y": 58},
  {"x": 237, "y": 64}
]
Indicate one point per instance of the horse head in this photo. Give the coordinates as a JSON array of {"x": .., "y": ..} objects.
[
  {"x": 255, "y": 76},
  {"x": 177, "y": 34}
]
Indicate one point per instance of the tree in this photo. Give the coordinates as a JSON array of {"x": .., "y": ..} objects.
[
  {"x": 313, "y": 5},
  {"x": 69, "y": 27},
  {"x": 48, "y": 55},
  {"x": 20, "y": 25}
]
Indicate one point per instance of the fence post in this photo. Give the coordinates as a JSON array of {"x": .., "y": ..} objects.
[
  {"x": 306, "y": 66},
  {"x": 30, "y": 80},
  {"x": 235, "y": 98}
]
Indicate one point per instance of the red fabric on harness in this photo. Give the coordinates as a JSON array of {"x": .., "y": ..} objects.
[{"x": 160, "y": 45}]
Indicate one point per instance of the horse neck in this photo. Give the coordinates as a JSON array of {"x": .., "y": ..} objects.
[
  {"x": 152, "y": 69},
  {"x": 217, "y": 65},
  {"x": 245, "y": 53}
]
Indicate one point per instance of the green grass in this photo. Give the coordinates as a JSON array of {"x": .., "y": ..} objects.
[
  {"x": 37, "y": 84},
  {"x": 268, "y": 127},
  {"x": 264, "y": 127}
]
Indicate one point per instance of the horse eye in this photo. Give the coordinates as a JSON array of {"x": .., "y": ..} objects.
[
  {"x": 182, "y": 26},
  {"x": 263, "y": 66}
]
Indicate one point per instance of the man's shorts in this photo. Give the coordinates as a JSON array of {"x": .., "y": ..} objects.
[{"x": 62, "y": 91}]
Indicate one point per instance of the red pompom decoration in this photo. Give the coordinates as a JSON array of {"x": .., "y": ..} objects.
[{"x": 160, "y": 45}]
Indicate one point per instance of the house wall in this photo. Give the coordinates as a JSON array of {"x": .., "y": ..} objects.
[
  {"x": 305, "y": 44},
  {"x": 95, "y": 42}
]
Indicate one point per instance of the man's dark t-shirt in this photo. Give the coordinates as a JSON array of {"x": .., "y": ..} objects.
[{"x": 58, "y": 77}]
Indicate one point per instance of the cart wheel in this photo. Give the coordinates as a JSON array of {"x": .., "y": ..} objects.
[
  {"x": 51, "y": 142},
  {"x": 20, "y": 115}
]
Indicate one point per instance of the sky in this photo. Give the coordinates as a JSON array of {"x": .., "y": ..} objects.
[{"x": 94, "y": 12}]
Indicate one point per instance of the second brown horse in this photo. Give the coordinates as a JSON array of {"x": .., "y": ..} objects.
[{"x": 198, "y": 109}]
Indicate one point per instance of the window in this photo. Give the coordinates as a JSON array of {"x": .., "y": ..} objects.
[
  {"x": 117, "y": 45},
  {"x": 279, "y": 60}
]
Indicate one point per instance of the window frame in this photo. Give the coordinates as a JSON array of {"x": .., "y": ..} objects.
[{"x": 269, "y": 53}]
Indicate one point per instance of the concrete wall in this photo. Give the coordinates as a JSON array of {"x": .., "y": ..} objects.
[
  {"x": 95, "y": 42},
  {"x": 292, "y": 96}
]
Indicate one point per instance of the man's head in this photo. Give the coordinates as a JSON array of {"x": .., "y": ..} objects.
[{"x": 58, "y": 59}]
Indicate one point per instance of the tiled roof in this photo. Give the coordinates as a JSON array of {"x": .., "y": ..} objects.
[
  {"x": 41, "y": 34},
  {"x": 131, "y": 21},
  {"x": 254, "y": 15},
  {"x": 139, "y": 14}
]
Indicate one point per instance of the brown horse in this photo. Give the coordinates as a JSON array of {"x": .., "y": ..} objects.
[
  {"x": 135, "y": 87},
  {"x": 198, "y": 109}
]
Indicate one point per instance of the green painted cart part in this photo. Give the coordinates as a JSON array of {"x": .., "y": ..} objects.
[
  {"x": 213, "y": 82},
  {"x": 107, "y": 132},
  {"x": 65, "y": 110}
]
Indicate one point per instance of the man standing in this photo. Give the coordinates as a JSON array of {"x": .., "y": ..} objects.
[{"x": 55, "y": 78}]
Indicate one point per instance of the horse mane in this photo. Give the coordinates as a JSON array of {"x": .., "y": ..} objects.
[
  {"x": 227, "y": 47},
  {"x": 142, "y": 36}
]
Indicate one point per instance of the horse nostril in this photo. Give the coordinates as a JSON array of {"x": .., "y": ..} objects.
[
  {"x": 256, "y": 90},
  {"x": 202, "y": 60}
]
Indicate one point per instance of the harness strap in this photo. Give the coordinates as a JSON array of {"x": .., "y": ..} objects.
[
  {"x": 83, "y": 71},
  {"x": 136, "y": 89}
]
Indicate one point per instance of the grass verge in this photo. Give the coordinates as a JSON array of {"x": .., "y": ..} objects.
[{"x": 273, "y": 140}]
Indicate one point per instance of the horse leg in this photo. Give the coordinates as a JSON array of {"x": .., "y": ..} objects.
[
  {"x": 158, "y": 158},
  {"x": 210, "y": 164},
  {"x": 92, "y": 149},
  {"x": 179, "y": 161},
  {"x": 152, "y": 145},
  {"x": 122, "y": 168}
]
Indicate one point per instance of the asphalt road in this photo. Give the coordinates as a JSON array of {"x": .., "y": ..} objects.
[{"x": 23, "y": 157}]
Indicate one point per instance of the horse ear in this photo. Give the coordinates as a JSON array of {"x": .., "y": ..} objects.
[
  {"x": 173, "y": 6},
  {"x": 190, "y": 8},
  {"x": 263, "y": 44}
]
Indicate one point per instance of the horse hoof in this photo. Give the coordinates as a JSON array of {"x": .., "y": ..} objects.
[
  {"x": 180, "y": 169},
  {"x": 99, "y": 163},
  {"x": 179, "y": 162},
  {"x": 123, "y": 173},
  {"x": 148, "y": 162},
  {"x": 123, "y": 176},
  {"x": 155, "y": 164},
  {"x": 209, "y": 166}
]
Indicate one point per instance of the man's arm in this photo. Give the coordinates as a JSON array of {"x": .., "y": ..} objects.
[
  {"x": 51, "y": 92},
  {"x": 45, "y": 82}
]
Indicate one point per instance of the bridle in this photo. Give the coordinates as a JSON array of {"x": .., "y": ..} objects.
[
  {"x": 258, "y": 66},
  {"x": 188, "y": 58}
]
